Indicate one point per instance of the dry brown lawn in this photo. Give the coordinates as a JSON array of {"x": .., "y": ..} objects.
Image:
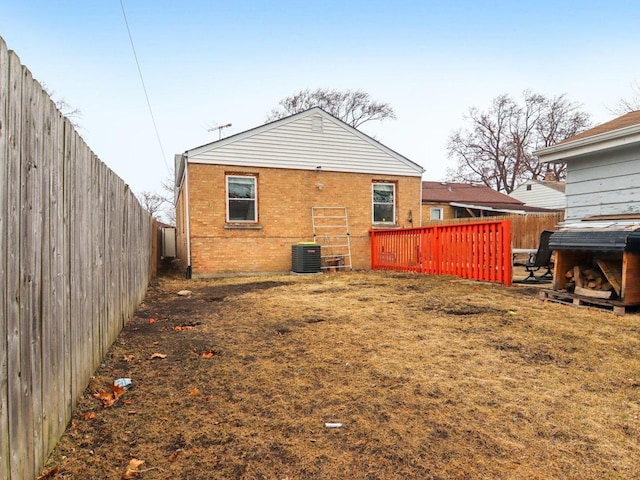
[{"x": 430, "y": 378}]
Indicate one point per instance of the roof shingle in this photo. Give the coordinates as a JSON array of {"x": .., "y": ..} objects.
[
  {"x": 447, "y": 192},
  {"x": 627, "y": 120}
]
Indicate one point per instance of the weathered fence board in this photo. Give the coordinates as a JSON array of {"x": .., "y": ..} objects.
[
  {"x": 4, "y": 180},
  {"x": 75, "y": 260},
  {"x": 68, "y": 149},
  {"x": 17, "y": 423},
  {"x": 46, "y": 164},
  {"x": 525, "y": 229},
  {"x": 31, "y": 287},
  {"x": 52, "y": 312}
]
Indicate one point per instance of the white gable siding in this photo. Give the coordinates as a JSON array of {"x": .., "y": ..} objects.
[
  {"x": 305, "y": 143},
  {"x": 605, "y": 183},
  {"x": 540, "y": 196}
]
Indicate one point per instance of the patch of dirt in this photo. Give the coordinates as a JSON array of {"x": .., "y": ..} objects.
[{"x": 428, "y": 377}]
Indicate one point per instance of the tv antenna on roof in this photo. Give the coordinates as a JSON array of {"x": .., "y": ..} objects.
[{"x": 219, "y": 130}]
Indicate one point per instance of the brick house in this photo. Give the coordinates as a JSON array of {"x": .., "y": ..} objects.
[{"x": 243, "y": 201}]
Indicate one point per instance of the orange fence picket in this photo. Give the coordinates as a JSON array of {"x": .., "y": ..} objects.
[{"x": 477, "y": 251}]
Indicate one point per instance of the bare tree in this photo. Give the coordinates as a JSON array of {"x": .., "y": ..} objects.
[
  {"x": 69, "y": 111},
  {"x": 152, "y": 203},
  {"x": 626, "y": 105},
  {"x": 560, "y": 119},
  {"x": 161, "y": 205},
  {"x": 497, "y": 147},
  {"x": 168, "y": 194},
  {"x": 354, "y": 107}
]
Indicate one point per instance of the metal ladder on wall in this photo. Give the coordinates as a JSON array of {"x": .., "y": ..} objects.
[{"x": 331, "y": 232}]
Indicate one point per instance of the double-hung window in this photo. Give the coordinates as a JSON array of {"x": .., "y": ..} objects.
[
  {"x": 384, "y": 203},
  {"x": 242, "y": 199}
]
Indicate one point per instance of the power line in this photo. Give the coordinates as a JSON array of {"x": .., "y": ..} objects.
[{"x": 144, "y": 87}]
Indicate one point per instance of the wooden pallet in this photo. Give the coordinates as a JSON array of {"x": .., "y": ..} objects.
[{"x": 567, "y": 298}]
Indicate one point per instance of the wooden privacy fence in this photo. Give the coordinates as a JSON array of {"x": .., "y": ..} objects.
[
  {"x": 525, "y": 229},
  {"x": 75, "y": 261},
  {"x": 478, "y": 251}
]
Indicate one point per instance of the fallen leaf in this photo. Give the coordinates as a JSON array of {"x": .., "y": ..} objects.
[
  {"x": 132, "y": 469},
  {"x": 180, "y": 328},
  {"x": 89, "y": 415},
  {"x": 50, "y": 474},
  {"x": 128, "y": 358},
  {"x": 117, "y": 391},
  {"x": 208, "y": 354},
  {"x": 194, "y": 392},
  {"x": 152, "y": 320},
  {"x": 107, "y": 399},
  {"x": 174, "y": 456},
  {"x": 158, "y": 355},
  {"x": 155, "y": 343}
]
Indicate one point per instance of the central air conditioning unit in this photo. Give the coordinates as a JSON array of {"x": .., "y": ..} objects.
[{"x": 305, "y": 258}]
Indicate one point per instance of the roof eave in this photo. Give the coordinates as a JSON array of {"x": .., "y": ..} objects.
[
  {"x": 487, "y": 208},
  {"x": 583, "y": 146}
]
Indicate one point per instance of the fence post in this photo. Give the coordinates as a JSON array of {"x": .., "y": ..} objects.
[{"x": 506, "y": 249}]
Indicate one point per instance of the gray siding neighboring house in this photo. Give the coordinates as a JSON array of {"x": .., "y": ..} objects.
[
  {"x": 603, "y": 170},
  {"x": 542, "y": 194}
]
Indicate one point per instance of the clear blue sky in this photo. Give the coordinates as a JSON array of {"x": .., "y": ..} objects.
[{"x": 208, "y": 63}]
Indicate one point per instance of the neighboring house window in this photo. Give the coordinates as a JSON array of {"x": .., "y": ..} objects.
[
  {"x": 529, "y": 188},
  {"x": 384, "y": 203},
  {"x": 436, "y": 213},
  {"x": 242, "y": 200}
]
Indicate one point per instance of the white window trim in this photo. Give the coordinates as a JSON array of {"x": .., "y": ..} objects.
[
  {"x": 373, "y": 204},
  {"x": 439, "y": 209},
  {"x": 255, "y": 200}
]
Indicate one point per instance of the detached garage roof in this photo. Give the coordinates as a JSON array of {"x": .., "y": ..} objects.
[{"x": 477, "y": 197}]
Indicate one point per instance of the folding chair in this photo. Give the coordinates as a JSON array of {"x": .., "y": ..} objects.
[{"x": 542, "y": 259}]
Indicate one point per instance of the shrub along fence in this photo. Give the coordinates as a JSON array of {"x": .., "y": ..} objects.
[
  {"x": 75, "y": 261},
  {"x": 478, "y": 251}
]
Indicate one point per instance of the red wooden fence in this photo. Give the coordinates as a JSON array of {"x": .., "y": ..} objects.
[{"x": 478, "y": 251}]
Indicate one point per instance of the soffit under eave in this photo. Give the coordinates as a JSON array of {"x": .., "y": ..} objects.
[
  {"x": 486, "y": 208},
  {"x": 570, "y": 151}
]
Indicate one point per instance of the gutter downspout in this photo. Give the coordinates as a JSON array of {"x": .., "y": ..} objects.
[
  {"x": 187, "y": 214},
  {"x": 420, "y": 204}
]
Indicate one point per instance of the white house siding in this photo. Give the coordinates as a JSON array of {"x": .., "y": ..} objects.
[
  {"x": 604, "y": 183},
  {"x": 540, "y": 196},
  {"x": 296, "y": 143}
]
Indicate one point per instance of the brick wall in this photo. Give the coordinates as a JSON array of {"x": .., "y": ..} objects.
[
  {"x": 448, "y": 211},
  {"x": 285, "y": 198}
]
